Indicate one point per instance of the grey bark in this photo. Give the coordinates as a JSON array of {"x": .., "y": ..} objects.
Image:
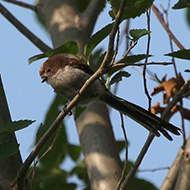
[{"x": 65, "y": 22}]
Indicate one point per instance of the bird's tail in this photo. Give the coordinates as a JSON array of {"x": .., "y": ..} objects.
[{"x": 150, "y": 121}]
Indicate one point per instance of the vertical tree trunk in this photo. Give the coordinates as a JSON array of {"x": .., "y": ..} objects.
[
  {"x": 65, "y": 22},
  {"x": 9, "y": 166}
]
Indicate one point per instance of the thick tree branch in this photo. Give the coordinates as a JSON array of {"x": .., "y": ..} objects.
[
  {"x": 27, "y": 33},
  {"x": 171, "y": 177},
  {"x": 92, "y": 11},
  {"x": 23, "y": 170}
]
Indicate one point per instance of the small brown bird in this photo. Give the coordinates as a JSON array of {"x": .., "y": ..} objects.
[{"x": 67, "y": 76}]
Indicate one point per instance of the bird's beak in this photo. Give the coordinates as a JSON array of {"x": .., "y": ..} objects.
[{"x": 44, "y": 79}]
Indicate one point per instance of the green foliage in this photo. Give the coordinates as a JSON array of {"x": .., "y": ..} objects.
[
  {"x": 96, "y": 39},
  {"x": 69, "y": 47},
  {"x": 82, "y": 4},
  {"x": 80, "y": 171},
  {"x": 133, "y": 8},
  {"x": 182, "y": 4},
  {"x": 181, "y": 54},
  {"x": 78, "y": 111},
  {"x": 188, "y": 16},
  {"x": 58, "y": 152},
  {"x": 118, "y": 77},
  {"x": 8, "y": 149},
  {"x": 134, "y": 58},
  {"x": 138, "y": 33},
  {"x": 49, "y": 174},
  {"x": 49, "y": 179},
  {"x": 141, "y": 184},
  {"x": 14, "y": 126}
]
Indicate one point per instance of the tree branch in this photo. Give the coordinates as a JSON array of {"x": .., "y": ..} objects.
[
  {"x": 33, "y": 38},
  {"x": 137, "y": 162},
  {"x": 23, "y": 170},
  {"x": 171, "y": 177},
  {"x": 161, "y": 19},
  {"x": 178, "y": 96},
  {"x": 22, "y": 4},
  {"x": 107, "y": 57}
]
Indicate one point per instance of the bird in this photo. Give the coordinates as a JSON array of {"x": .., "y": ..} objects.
[{"x": 67, "y": 75}]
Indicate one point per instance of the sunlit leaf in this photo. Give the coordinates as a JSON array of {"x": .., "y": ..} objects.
[
  {"x": 69, "y": 47},
  {"x": 138, "y": 33},
  {"x": 133, "y": 8}
]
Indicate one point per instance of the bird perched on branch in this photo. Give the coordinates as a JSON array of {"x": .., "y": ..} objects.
[{"x": 67, "y": 75}]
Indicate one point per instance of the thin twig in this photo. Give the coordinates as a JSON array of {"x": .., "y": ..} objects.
[
  {"x": 116, "y": 48},
  {"x": 108, "y": 56},
  {"x": 132, "y": 45},
  {"x": 137, "y": 162},
  {"x": 154, "y": 170},
  {"x": 120, "y": 64},
  {"x": 176, "y": 74},
  {"x": 27, "y": 33},
  {"x": 23, "y": 170},
  {"x": 126, "y": 153},
  {"x": 146, "y": 60},
  {"x": 22, "y": 4},
  {"x": 160, "y": 18}
]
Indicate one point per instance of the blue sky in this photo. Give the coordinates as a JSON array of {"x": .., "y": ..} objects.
[{"x": 29, "y": 99}]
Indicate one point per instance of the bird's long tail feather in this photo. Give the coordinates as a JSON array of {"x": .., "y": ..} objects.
[{"x": 150, "y": 121}]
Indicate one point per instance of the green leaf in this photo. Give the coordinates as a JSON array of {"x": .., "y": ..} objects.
[
  {"x": 14, "y": 126},
  {"x": 121, "y": 145},
  {"x": 81, "y": 172},
  {"x": 181, "y": 54},
  {"x": 134, "y": 58},
  {"x": 138, "y": 33},
  {"x": 182, "y": 4},
  {"x": 8, "y": 149},
  {"x": 69, "y": 47},
  {"x": 141, "y": 184},
  {"x": 188, "y": 16},
  {"x": 74, "y": 151},
  {"x": 58, "y": 152},
  {"x": 96, "y": 39},
  {"x": 82, "y": 4},
  {"x": 50, "y": 178},
  {"x": 78, "y": 111},
  {"x": 118, "y": 77},
  {"x": 133, "y": 8}
]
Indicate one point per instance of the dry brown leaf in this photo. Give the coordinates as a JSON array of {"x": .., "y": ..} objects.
[
  {"x": 169, "y": 87},
  {"x": 158, "y": 109}
]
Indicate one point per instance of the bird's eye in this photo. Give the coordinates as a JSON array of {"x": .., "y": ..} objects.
[{"x": 49, "y": 70}]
